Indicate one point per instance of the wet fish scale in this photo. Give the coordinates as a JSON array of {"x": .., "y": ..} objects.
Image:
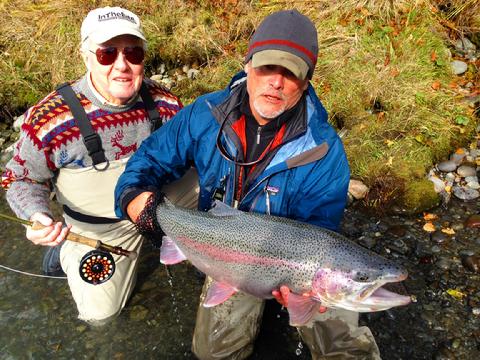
[{"x": 257, "y": 253}]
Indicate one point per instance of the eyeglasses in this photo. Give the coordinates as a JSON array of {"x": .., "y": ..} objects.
[{"x": 108, "y": 55}]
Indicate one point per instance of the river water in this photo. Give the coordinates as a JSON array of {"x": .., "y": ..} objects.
[{"x": 38, "y": 316}]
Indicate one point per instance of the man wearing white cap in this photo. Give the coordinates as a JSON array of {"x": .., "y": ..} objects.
[{"x": 80, "y": 147}]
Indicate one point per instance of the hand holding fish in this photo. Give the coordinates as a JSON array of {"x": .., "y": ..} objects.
[
  {"x": 49, "y": 233},
  {"x": 282, "y": 296}
]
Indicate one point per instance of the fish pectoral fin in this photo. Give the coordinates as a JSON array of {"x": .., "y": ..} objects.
[
  {"x": 217, "y": 293},
  {"x": 301, "y": 309},
  {"x": 221, "y": 209},
  {"x": 170, "y": 253}
]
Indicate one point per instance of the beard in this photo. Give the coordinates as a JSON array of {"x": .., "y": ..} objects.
[{"x": 263, "y": 110}]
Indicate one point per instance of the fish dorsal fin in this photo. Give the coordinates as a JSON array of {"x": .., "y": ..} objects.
[
  {"x": 301, "y": 309},
  {"x": 221, "y": 209},
  {"x": 217, "y": 293},
  {"x": 170, "y": 253}
]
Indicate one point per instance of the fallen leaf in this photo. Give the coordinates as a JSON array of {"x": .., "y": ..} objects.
[
  {"x": 387, "y": 60},
  {"x": 460, "y": 151},
  {"x": 394, "y": 72},
  {"x": 429, "y": 227},
  {"x": 453, "y": 85},
  {"x": 430, "y": 216},
  {"x": 456, "y": 294},
  {"x": 433, "y": 56},
  {"x": 448, "y": 189},
  {"x": 420, "y": 138},
  {"x": 448, "y": 231},
  {"x": 343, "y": 21},
  {"x": 436, "y": 85},
  {"x": 389, "y": 143}
]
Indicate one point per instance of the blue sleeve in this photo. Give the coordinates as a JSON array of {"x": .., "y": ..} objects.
[
  {"x": 323, "y": 196},
  {"x": 163, "y": 157}
]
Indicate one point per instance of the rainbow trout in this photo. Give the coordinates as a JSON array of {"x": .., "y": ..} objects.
[{"x": 257, "y": 253}]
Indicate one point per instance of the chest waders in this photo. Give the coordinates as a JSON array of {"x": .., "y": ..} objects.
[{"x": 96, "y": 266}]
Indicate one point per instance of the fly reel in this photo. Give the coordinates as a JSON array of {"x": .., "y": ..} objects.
[{"x": 96, "y": 267}]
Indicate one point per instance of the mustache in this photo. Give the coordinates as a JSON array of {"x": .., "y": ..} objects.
[{"x": 271, "y": 92}]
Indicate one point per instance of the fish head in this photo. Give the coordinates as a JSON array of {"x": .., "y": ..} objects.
[{"x": 358, "y": 290}]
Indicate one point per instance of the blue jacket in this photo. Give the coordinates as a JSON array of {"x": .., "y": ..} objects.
[{"x": 306, "y": 177}]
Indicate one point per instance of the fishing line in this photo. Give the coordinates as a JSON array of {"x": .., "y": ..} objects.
[{"x": 31, "y": 274}]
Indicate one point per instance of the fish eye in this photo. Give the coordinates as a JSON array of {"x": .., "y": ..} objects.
[{"x": 362, "y": 277}]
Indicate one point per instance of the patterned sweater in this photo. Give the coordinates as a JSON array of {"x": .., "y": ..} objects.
[{"x": 50, "y": 140}]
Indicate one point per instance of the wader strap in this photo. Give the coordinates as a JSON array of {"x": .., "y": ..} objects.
[
  {"x": 88, "y": 218},
  {"x": 150, "y": 106},
  {"x": 91, "y": 139}
]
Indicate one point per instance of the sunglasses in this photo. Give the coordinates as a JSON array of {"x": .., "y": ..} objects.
[{"x": 108, "y": 55}]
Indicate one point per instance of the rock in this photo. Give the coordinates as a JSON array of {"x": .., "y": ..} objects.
[
  {"x": 158, "y": 78},
  {"x": 161, "y": 68},
  {"x": 192, "y": 73},
  {"x": 168, "y": 83},
  {"x": 358, "y": 189},
  {"x": 458, "y": 156},
  {"x": 443, "y": 263},
  {"x": 450, "y": 178},
  {"x": 465, "y": 170},
  {"x": 438, "y": 184},
  {"x": 475, "y": 153},
  {"x": 465, "y": 193},
  {"x": 367, "y": 241},
  {"x": 473, "y": 222},
  {"x": 17, "y": 124},
  {"x": 464, "y": 45},
  {"x": 138, "y": 312},
  {"x": 397, "y": 230},
  {"x": 471, "y": 178},
  {"x": 439, "y": 237},
  {"x": 473, "y": 185},
  {"x": 458, "y": 67},
  {"x": 471, "y": 263},
  {"x": 447, "y": 166}
]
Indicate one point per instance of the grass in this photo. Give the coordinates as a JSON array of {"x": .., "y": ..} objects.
[{"x": 383, "y": 71}]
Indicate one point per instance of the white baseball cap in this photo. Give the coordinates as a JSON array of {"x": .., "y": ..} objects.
[{"x": 105, "y": 23}]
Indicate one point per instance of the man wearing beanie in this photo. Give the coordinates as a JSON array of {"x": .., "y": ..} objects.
[
  {"x": 264, "y": 145},
  {"x": 80, "y": 147}
]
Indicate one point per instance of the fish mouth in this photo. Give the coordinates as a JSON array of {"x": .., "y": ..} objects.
[{"x": 380, "y": 298}]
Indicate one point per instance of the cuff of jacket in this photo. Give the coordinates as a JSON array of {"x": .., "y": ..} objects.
[{"x": 130, "y": 194}]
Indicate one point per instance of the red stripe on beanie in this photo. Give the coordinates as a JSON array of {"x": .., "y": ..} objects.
[{"x": 285, "y": 43}]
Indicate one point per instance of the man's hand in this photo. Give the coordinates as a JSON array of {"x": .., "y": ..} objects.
[
  {"x": 45, "y": 232},
  {"x": 135, "y": 207},
  {"x": 282, "y": 297}
]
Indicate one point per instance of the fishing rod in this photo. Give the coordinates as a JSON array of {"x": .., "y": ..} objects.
[
  {"x": 96, "y": 266},
  {"x": 96, "y": 244}
]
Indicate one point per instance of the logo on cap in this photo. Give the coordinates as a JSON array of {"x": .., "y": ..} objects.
[{"x": 116, "y": 16}]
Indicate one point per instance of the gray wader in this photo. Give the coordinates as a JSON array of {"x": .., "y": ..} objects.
[{"x": 229, "y": 330}]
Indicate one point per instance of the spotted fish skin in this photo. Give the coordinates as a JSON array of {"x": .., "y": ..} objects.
[{"x": 257, "y": 253}]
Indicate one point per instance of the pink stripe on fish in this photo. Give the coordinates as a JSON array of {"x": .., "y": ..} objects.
[{"x": 234, "y": 256}]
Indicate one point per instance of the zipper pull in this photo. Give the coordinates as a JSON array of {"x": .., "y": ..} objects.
[{"x": 259, "y": 130}]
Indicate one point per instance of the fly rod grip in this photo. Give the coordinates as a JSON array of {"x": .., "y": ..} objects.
[{"x": 72, "y": 236}]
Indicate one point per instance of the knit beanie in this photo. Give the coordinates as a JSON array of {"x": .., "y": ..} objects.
[{"x": 286, "y": 38}]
